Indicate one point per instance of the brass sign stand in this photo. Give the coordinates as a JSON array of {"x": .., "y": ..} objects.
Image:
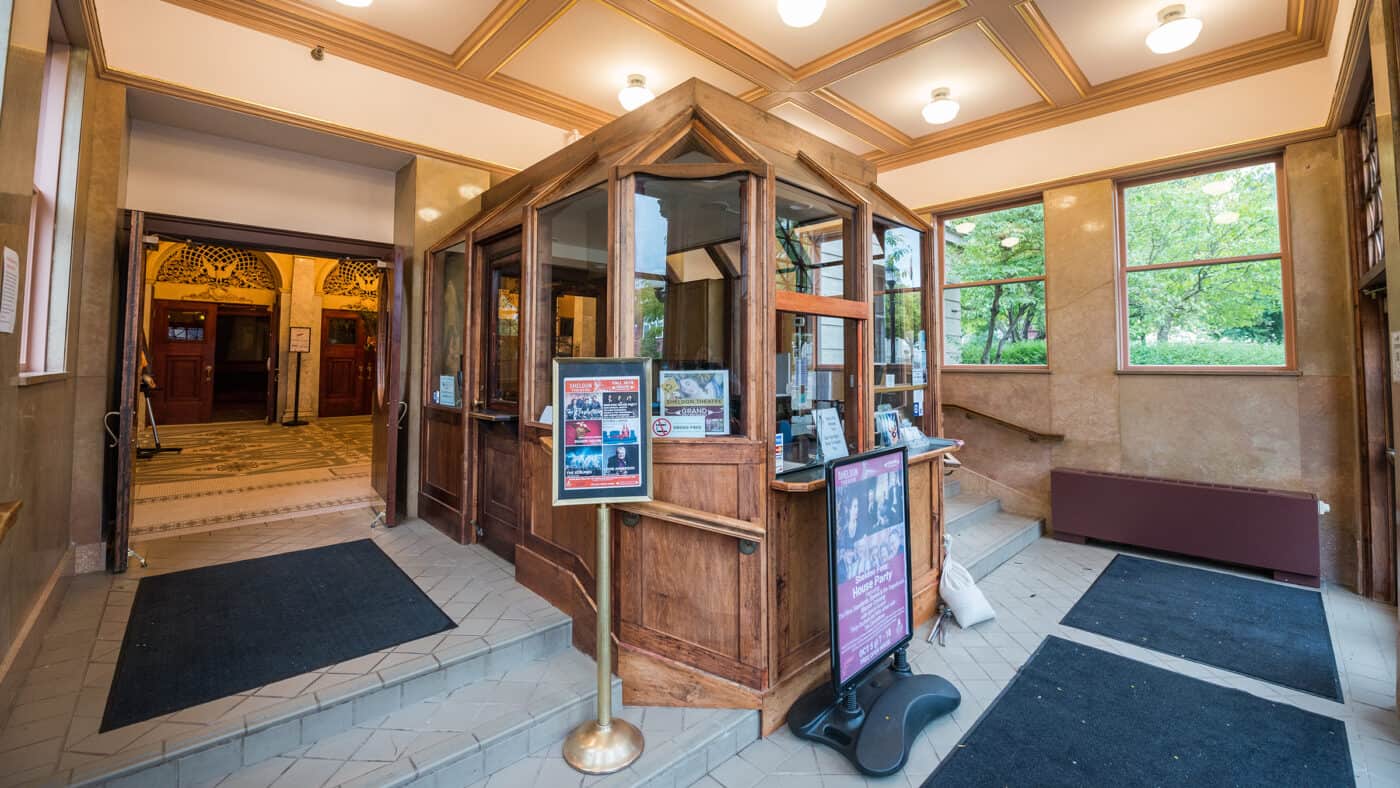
[{"x": 604, "y": 745}]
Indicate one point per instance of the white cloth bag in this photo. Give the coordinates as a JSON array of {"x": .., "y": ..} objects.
[{"x": 963, "y": 597}]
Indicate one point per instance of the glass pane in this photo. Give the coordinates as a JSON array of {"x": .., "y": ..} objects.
[
  {"x": 899, "y": 417},
  {"x": 994, "y": 324},
  {"x": 1004, "y": 244},
  {"x": 815, "y": 373},
  {"x": 1218, "y": 214},
  {"x": 506, "y": 380},
  {"x": 449, "y": 311},
  {"x": 901, "y": 344},
  {"x": 688, "y": 265},
  {"x": 340, "y": 331},
  {"x": 572, "y": 291},
  {"x": 812, "y": 233},
  {"x": 1209, "y": 315},
  {"x": 184, "y": 325}
]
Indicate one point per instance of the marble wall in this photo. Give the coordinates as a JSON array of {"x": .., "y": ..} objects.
[{"x": 1294, "y": 431}]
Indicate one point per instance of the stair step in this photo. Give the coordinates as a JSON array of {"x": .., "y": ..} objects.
[
  {"x": 968, "y": 509},
  {"x": 951, "y": 487},
  {"x": 684, "y": 758},
  {"x": 303, "y": 722},
  {"x": 994, "y": 540}
]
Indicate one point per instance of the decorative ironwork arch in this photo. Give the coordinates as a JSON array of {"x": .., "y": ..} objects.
[
  {"x": 356, "y": 278},
  {"x": 220, "y": 267}
]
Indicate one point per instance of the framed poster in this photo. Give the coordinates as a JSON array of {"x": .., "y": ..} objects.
[
  {"x": 872, "y": 605},
  {"x": 695, "y": 401},
  {"x": 602, "y": 443},
  {"x": 300, "y": 340}
]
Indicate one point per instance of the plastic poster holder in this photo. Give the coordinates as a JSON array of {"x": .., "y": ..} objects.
[{"x": 875, "y": 705}]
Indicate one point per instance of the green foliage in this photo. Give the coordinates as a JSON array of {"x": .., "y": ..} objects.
[
  {"x": 1179, "y": 221},
  {"x": 1010, "y": 313},
  {"x": 1219, "y": 354},
  {"x": 1005, "y": 244},
  {"x": 1031, "y": 351},
  {"x": 980, "y": 256}
]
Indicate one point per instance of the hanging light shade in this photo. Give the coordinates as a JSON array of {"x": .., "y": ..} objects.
[
  {"x": 1010, "y": 242},
  {"x": 964, "y": 228},
  {"x": 1217, "y": 188},
  {"x": 356, "y": 3},
  {"x": 636, "y": 93},
  {"x": 941, "y": 107},
  {"x": 1175, "y": 30},
  {"x": 1227, "y": 217},
  {"x": 801, "y": 13}
]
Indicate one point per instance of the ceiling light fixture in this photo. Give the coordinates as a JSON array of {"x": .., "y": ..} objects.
[
  {"x": 964, "y": 228},
  {"x": 470, "y": 191},
  {"x": 941, "y": 107},
  {"x": 801, "y": 13},
  {"x": 1227, "y": 217},
  {"x": 1010, "y": 241},
  {"x": 356, "y": 3},
  {"x": 635, "y": 94},
  {"x": 429, "y": 214},
  {"x": 1217, "y": 188},
  {"x": 1175, "y": 30}
]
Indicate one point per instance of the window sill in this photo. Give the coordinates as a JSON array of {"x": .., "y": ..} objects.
[
  {"x": 1018, "y": 369},
  {"x": 39, "y": 378},
  {"x": 1214, "y": 371}
]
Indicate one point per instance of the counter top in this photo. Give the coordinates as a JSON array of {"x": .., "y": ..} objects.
[{"x": 813, "y": 478}]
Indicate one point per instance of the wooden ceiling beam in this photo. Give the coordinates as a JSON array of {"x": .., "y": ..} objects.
[
  {"x": 710, "y": 39},
  {"x": 954, "y": 17},
  {"x": 513, "y": 35},
  {"x": 1008, "y": 30}
]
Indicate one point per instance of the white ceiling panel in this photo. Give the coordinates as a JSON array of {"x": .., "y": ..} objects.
[
  {"x": 588, "y": 53},
  {"x": 843, "y": 21},
  {"x": 811, "y": 122},
  {"x": 966, "y": 61},
  {"x": 1109, "y": 39},
  {"x": 440, "y": 24}
]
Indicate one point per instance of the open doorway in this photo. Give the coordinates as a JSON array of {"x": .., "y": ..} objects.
[{"x": 215, "y": 362}]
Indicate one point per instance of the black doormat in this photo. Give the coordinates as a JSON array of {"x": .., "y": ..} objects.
[
  {"x": 1272, "y": 632},
  {"x": 1078, "y": 716},
  {"x": 203, "y": 634}
]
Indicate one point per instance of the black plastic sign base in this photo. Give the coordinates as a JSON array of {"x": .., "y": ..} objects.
[{"x": 876, "y": 731}]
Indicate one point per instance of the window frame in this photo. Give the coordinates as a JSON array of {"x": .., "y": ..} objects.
[
  {"x": 1284, "y": 258},
  {"x": 930, "y": 299},
  {"x": 940, "y": 224}
]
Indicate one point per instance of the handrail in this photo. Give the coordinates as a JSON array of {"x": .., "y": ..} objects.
[
  {"x": 695, "y": 518},
  {"x": 9, "y": 515},
  {"x": 1034, "y": 436}
]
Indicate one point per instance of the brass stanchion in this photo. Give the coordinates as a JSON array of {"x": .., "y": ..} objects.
[{"x": 604, "y": 745}]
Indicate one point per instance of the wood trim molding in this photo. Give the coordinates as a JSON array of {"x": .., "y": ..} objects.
[
  {"x": 488, "y": 28},
  {"x": 9, "y": 516},
  {"x": 1048, "y": 38}
]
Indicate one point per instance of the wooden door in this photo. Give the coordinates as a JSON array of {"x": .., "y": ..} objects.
[
  {"x": 496, "y": 410},
  {"x": 183, "y": 336},
  {"x": 343, "y": 369},
  {"x": 122, "y": 449},
  {"x": 388, "y": 406}
]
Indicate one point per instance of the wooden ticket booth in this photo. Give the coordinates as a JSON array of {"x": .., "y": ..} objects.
[{"x": 768, "y": 278}]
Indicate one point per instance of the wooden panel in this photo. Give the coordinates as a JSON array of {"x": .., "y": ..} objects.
[
  {"x": 652, "y": 680},
  {"x": 711, "y": 491},
  {"x": 706, "y": 613},
  {"x": 797, "y": 541},
  {"x": 565, "y": 535},
  {"x": 442, "y": 456},
  {"x": 499, "y": 474}
]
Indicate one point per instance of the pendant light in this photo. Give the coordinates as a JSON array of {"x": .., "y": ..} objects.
[
  {"x": 965, "y": 228},
  {"x": 636, "y": 93},
  {"x": 801, "y": 13},
  {"x": 356, "y": 3},
  {"x": 1175, "y": 30},
  {"x": 941, "y": 107}
]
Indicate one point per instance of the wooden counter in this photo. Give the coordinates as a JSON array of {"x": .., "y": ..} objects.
[{"x": 813, "y": 478}]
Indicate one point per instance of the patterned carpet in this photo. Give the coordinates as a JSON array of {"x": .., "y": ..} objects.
[
  {"x": 216, "y": 451},
  {"x": 237, "y": 473}
]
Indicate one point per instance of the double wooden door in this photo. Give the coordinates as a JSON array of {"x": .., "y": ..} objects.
[
  {"x": 495, "y": 413},
  {"x": 183, "y": 339},
  {"x": 347, "y": 364}
]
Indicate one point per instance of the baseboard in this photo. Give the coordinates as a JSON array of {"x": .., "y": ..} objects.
[{"x": 28, "y": 639}]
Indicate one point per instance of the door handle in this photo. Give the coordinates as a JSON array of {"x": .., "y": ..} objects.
[
  {"x": 208, "y": 372},
  {"x": 107, "y": 425},
  {"x": 403, "y": 412}
]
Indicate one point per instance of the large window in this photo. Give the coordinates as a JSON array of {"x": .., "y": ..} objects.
[
  {"x": 812, "y": 233},
  {"x": 44, "y": 333},
  {"x": 994, "y": 287},
  {"x": 448, "y": 280},
  {"x": 570, "y": 298},
  {"x": 901, "y": 342},
  {"x": 815, "y": 375},
  {"x": 687, "y": 313},
  {"x": 1205, "y": 271}
]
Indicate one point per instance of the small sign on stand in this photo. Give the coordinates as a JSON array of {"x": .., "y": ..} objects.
[
  {"x": 299, "y": 342},
  {"x": 602, "y": 455}
]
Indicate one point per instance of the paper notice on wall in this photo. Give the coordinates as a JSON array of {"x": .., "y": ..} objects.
[
  {"x": 1394, "y": 350},
  {"x": 9, "y": 291}
]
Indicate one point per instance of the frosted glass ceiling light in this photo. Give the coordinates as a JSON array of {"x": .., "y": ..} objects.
[
  {"x": 1010, "y": 242},
  {"x": 1227, "y": 217},
  {"x": 429, "y": 214},
  {"x": 1217, "y": 188},
  {"x": 356, "y": 3},
  {"x": 801, "y": 13},
  {"x": 941, "y": 108},
  {"x": 635, "y": 94},
  {"x": 469, "y": 191},
  {"x": 1175, "y": 30},
  {"x": 964, "y": 228}
]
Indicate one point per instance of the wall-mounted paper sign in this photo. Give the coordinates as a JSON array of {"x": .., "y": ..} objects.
[
  {"x": 300, "y": 340},
  {"x": 830, "y": 433},
  {"x": 696, "y": 402},
  {"x": 9, "y": 291},
  {"x": 447, "y": 390}
]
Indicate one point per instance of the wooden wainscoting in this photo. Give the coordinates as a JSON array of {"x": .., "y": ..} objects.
[{"x": 440, "y": 491}]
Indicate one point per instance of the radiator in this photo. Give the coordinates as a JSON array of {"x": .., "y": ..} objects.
[{"x": 1247, "y": 526}]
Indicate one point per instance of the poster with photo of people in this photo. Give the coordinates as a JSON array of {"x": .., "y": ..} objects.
[
  {"x": 602, "y": 450},
  {"x": 696, "y": 402},
  {"x": 868, "y": 528}
]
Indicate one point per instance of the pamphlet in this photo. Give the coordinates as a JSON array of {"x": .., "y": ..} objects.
[
  {"x": 830, "y": 433},
  {"x": 447, "y": 390},
  {"x": 9, "y": 291}
]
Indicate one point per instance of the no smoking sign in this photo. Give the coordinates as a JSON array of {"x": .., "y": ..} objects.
[{"x": 661, "y": 427}]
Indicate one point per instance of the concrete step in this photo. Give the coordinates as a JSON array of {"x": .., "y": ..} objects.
[
  {"x": 966, "y": 510},
  {"x": 951, "y": 487},
  {"x": 709, "y": 738},
  {"x": 305, "y": 721},
  {"x": 992, "y": 541}
]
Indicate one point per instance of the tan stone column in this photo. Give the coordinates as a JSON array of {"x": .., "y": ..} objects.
[{"x": 303, "y": 309}]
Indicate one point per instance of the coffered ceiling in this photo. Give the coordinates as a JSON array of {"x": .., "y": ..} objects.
[{"x": 859, "y": 77}]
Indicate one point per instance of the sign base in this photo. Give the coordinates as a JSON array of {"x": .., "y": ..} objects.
[
  {"x": 595, "y": 749},
  {"x": 875, "y": 724}
]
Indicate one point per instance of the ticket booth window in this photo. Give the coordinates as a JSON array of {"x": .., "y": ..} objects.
[
  {"x": 449, "y": 307},
  {"x": 811, "y": 231},
  {"x": 571, "y": 289},
  {"x": 816, "y": 376},
  {"x": 901, "y": 332}
]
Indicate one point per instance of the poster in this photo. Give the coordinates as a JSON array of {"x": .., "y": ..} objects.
[
  {"x": 695, "y": 401},
  {"x": 9, "y": 291},
  {"x": 602, "y": 450},
  {"x": 871, "y": 606}
]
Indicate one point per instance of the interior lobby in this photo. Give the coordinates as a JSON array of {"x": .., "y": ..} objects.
[{"x": 291, "y": 290}]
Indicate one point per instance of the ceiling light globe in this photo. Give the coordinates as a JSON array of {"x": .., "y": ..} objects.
[
  {"x": 429, "y": 214},
  {"x": 1217, "y": 188},
  {"x": 1010, "y": 242},
  {"x": 942, "y": 108},
  {"x": 356, "y": 3},
  {"x": 1175, "y": 30},
  {"x": 801, "y": 13},
  {"x": 1227, "y": 217},
  {"x": 635, "y": 94},
  {"x": 965, "y": 228}
]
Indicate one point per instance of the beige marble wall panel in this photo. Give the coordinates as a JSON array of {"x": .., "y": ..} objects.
[
  {"x": 1330, "y": 466},
  {"x": 1317, "y": 214},
  {"x": 1020, "y": 397}
]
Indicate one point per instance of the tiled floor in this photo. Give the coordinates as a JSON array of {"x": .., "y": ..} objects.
[
  {"x": 52, "y": 728},
  {"x": 1031, "y": 593},
  {"x": 237, "y": 449}
]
